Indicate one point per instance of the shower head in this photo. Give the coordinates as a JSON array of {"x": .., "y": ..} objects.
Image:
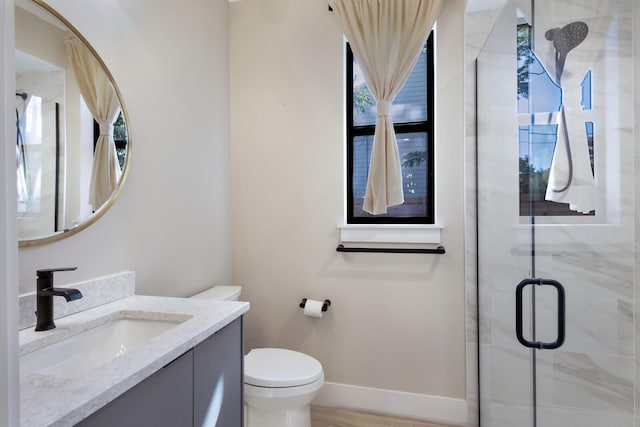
[{"x": 564, "y": 40}]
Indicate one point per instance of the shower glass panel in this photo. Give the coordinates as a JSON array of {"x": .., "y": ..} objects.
[{"x": 556, "y": 200}]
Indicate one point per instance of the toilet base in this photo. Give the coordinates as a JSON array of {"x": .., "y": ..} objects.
[
  {"x": 292, "y": 417},
  {"x": 280, "y": 406}
]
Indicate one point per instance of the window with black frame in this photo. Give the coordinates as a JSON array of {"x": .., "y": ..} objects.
[{"x": 412, "y": 113}]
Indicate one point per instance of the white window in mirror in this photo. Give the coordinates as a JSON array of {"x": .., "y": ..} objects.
[{"x": 28, "y": 151}]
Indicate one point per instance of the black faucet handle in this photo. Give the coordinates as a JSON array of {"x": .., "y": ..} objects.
[
  {"x": 45, "y": 277},
  {"x": 51, "y": 270}
]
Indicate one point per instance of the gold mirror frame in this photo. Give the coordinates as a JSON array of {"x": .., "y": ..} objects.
[{"x": 125, "y": 171}]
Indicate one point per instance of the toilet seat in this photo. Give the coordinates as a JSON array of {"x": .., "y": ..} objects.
[
  {"x": 279, "y": 368},
  {"x": 253, "y": 391}
]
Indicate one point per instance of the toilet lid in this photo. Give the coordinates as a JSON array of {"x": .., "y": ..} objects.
[{"x": 279, "y": 367}]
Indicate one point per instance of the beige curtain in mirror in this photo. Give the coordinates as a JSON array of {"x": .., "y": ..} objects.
[
  {"x": 102, "y": 100},
  {"x": 386, "y": 37}
]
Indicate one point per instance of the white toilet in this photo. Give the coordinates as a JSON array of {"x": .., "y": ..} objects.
[{"x": 279, "y": 384}]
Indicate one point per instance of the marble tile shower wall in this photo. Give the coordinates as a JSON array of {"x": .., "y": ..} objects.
[{"x": 591, "y": 380}]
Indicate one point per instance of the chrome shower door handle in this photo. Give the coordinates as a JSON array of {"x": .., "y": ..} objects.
[{"x": 561, "y": 314}]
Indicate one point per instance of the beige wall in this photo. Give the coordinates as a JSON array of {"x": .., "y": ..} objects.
[
  {"x": 170, "y": 223},
  {"x": 396, "y": 321}
]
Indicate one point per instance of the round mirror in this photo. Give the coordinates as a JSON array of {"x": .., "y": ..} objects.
[{"x": 73, "y": 143}]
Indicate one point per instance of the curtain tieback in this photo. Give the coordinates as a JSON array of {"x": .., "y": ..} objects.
[
  {"x": 106, "y": 129},
  {"x": 384, "y": 107}
]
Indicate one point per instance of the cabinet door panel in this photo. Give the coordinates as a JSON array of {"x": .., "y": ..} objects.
[
  {"x": 162, "y": 400},
  {"x": 218, "y": 379}
]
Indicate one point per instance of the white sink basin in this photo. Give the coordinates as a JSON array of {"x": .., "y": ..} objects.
[{"x": 87, "y": 350}]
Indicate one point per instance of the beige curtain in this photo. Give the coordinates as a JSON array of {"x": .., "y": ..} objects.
[
  {"x": 102, "y": 100},
  {"x": 386, "y": 37}
]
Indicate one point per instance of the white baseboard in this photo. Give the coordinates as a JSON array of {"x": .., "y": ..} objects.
[{"x": 423, "y": 407}]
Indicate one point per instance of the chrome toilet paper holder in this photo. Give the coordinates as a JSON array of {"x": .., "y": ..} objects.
[{"x": 325, "y": 304}]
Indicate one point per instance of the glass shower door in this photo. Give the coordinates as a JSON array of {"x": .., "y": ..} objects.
[{"x": 556, "y": 199}]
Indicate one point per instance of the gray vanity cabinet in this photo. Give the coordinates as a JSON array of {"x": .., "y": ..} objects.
[
  {"x": 218, "y": 379},
  {"x": 163, "y": 399},
  {"x": 203, "y": 387}
]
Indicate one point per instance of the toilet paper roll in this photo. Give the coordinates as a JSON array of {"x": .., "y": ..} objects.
[{"x": 313, "y": 308}]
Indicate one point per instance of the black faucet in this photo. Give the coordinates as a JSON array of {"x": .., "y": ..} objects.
[{"x": 44, "y": 297}]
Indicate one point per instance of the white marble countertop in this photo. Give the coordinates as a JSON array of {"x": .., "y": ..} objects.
[{"x": 58, "y": 401}]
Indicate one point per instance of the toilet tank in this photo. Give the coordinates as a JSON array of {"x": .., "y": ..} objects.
[{"x": 220, "y": 292}]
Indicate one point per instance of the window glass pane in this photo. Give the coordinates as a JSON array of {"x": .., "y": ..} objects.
[
  {"x": 410, "y": 105},
  {"x": 120, "y": 137},
  {"x": 364, "y": 106},
  {"x": 537, "y": 143},
  {"x": 413, "y": 155},
  {"x": 586, "y": 91},
  {"x": 589, "y": 129},
  {"x": 361, "y": 155},
  {"x": 537, "y": 92}
]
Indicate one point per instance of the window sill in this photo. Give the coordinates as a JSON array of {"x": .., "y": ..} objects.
[{"x": 390, "y": 233}]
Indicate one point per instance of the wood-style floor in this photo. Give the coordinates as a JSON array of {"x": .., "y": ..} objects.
[{"x": 322, "y": 416}]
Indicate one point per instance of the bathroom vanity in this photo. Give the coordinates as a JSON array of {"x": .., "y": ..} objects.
[
  {"x": 188, "y": 391},
  {"x": 184, "y": 365}
]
